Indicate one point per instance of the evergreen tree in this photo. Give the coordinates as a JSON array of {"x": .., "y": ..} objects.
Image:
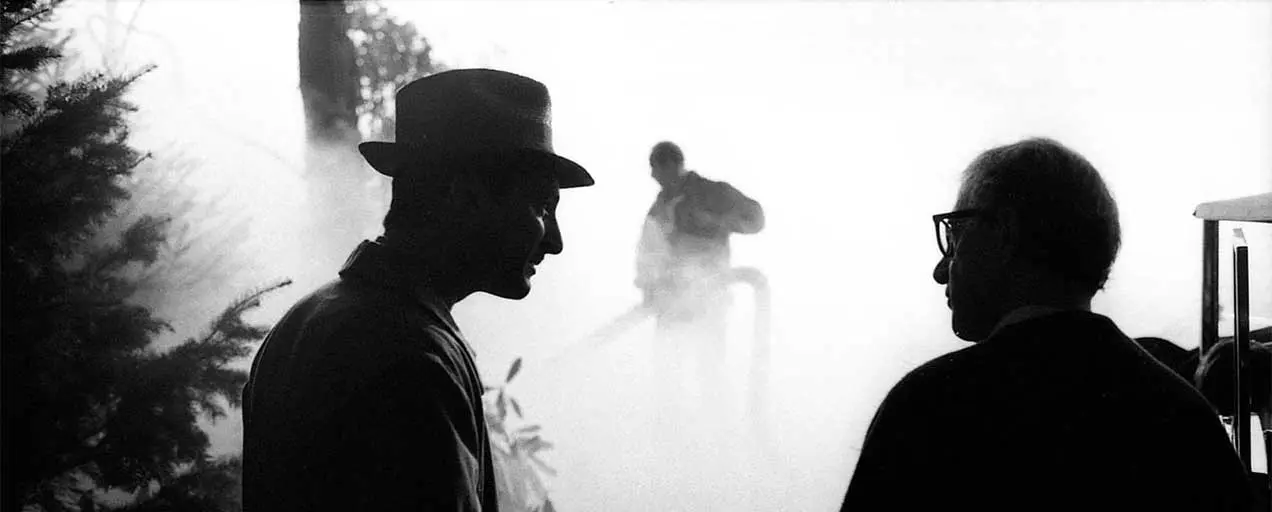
[{"x": 89, "y": 403}]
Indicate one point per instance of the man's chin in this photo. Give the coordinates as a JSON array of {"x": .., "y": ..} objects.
[
  {"x": 972, "y": 333},
  {"x": 511, "y": 290}
]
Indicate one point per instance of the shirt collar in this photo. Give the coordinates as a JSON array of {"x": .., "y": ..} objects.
[
  {"x": 680, "y": 186},
  {"x": 373, "y": 262}
]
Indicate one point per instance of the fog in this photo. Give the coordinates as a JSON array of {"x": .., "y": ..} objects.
[{"x": 850, "y": 123}]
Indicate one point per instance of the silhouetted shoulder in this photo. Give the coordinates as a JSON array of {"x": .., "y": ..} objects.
[
  {"x": 368, "y": 317},
  {"x": 936, "y": 376},
  {"x": 346, "y": 331},
  {"x": 694, "y": 179},
  {"x": 927, "y": 392}
]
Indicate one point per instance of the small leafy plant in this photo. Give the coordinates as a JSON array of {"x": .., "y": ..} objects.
[{"x": 520, "y": 473}]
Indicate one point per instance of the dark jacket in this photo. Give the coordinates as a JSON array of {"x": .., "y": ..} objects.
[
  {"x": 725, "y": 209},
  {"x": 686, "y": 233},
  {"x": 1061, "y": 412},
  {"x": 365, "y": 397}
]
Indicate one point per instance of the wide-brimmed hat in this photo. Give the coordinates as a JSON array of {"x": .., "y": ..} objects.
[{"x": 473, "y": 112}]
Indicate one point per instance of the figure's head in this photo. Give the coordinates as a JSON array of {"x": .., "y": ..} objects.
[
  {"x": 666, "y": 163},
  {"x": 1034, "y": 224},
  {"x": 1213, "y": 375},
  {"x": 496, "y": 215},
  {"x": 473, "y": 162}
]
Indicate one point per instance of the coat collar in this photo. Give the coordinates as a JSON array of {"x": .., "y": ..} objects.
[
  {"x": 372, "y": 262},
  {"x": 1023, "y": 314}
]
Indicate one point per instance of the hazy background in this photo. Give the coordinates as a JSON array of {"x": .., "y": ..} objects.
[{"x": 848, "y": 121}]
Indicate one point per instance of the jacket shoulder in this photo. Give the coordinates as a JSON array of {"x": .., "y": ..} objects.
[
  {"x": 696, "y": 180},
  {"x": 344, "y": 318}
]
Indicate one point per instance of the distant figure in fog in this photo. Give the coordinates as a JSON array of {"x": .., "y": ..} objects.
[
  {"x": 365, "y": 396},
  {"x": 683, "y": 258},
  {"x": 1053, "y": 407},
  {"x": 1214, "y": 377}
]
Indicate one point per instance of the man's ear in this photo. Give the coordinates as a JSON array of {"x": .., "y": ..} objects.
[
  {"x": 468, "y": 193},
  {"x": 440, "y": 192},
  {"x": 1008, "y": 232}
]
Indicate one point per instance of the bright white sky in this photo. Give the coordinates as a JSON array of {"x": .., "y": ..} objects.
[{"x": 849, "y": 121}]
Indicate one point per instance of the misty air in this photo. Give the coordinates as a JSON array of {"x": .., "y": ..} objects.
[{"x": 535, "y": 256}]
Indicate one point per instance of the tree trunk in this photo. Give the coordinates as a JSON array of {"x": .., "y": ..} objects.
[
  {"x": 328, "y": 74},
  {"x": 342, "y": 204}
]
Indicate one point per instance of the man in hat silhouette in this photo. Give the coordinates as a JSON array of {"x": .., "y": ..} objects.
[
  {"x": 1053, "y": 407},
  {"x": 365, "y": 395}
]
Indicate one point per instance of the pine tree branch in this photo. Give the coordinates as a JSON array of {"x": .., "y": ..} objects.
[
  {"x": 28, "y": 59},
  {"x": 71, "y": 463},
  {"x": 205, "y": 358},
  {"x": 15, "y": 101},
  {"x": 11, "y": 22},
  {"x": 73, "y": 113},
  {"x": 13, "y": 6}
]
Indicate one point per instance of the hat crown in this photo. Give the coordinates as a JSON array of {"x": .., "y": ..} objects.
[
  {"x": 464, "y": 112},
  {"x": 468, "y": 110}
]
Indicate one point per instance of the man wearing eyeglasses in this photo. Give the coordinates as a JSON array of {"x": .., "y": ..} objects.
[{"x": 1052, "y": 407}]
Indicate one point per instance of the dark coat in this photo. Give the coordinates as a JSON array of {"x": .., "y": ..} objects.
[
  {"x": 698, "y": 215},
  {"x": 1061, "y": 412},
  {"x": 707, "y": 208},
  {"x": 365, "y": 397},
  {"x": 685, "y": 240}
]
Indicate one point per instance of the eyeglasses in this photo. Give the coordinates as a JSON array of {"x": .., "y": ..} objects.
[{"x": 946, "y": 238}]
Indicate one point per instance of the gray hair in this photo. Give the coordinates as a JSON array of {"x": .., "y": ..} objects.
[{"x": 1066, "y": 218}]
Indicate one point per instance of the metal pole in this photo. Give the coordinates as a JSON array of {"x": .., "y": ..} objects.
[
  {"x": 761, "y": 343},
  {"x": 757, "y": 395},
  {"x": 1209, "y": 284},
  {"x": 1241, "y": 345}
]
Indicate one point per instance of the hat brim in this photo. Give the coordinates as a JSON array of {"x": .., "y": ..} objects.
[{"x": 384, "y": 157}]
